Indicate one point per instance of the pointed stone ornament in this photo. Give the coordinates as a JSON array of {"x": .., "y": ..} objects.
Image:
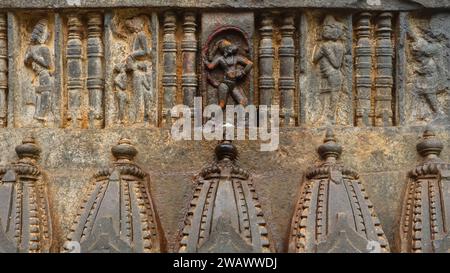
[
  {"x": 425, "y": 218},
  {"x": 25, "y": 219},
  {"x": 224, "y": 214},
  {"x": 333, "y": 212},
  {"x": 118, "y": 214}
]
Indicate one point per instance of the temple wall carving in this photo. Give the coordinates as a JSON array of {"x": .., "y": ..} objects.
[
  {"x": 129, "y": 67},
  {"x": 84, "y": 88}
]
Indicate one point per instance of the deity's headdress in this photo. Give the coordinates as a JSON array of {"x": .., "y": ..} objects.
[
  {"x": 331, "y": 21},
  {"x": 40, "y": 31}
]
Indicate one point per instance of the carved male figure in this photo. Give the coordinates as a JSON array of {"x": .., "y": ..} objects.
[
  {"x": 330, "y": 57},
  {"x": 427, "y": 78},
  {"x": 235, "y": 68},
  {"x": 38, "y": 58},
  {"x": 137, "y": 65}
]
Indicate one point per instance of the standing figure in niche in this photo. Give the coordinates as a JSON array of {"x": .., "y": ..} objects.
[
  {"x": 235, "y": 68},
  {"x": 120, "y": 87},
  {"x": 137, "y": 65},
  {"x": 427, "y": 76},
  {"x": 38, "y": 58},
  {"x": 330, "y": 57}
]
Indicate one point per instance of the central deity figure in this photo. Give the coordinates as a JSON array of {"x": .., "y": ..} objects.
[
  {"x": 38, "y": 58},
  {"x": 235, "y": 68},
  {"x": 330, "y": 57}
]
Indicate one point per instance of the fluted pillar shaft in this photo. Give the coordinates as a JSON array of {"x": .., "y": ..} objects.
[
  {"x": 287, "y": 69},
  {"x": 74, "y": 70},
  {"x": 384, "y": 53},
  {"x": 189, "y": 81},
  {"x": 363, "y": 71},
  {"x": 266, "y": 57},
  {"x": 169, "y": 77},
  {"x": 3, "y": 71},
  {"x": 95, "y": 71}
]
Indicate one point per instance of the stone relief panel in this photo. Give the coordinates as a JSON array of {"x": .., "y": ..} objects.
[
  {"x": 227, "y": 58},
  {"x": 425, "y": 219},
  {"x": 224, "y": 214},
  {"x": 25, "y": 218},
  {"x": 334, "y": 213},
  {"x": 328, "y": 92},
  {"x": 428, "y": 69},
  {"x": 118, "y": 214},
  {"x": 134, "y": 91},
  {"x": 36, "y": 95}
]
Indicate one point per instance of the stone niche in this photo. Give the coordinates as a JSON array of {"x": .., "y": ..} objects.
[{"x": 83, "y": 89}]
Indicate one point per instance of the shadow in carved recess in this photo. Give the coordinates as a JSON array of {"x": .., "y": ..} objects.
[
  {"x": 25, "y": 220},
  {"x": 224, "y": 214},
  {"x": 425, "y": 218},
  {"x": 118, "y": 215},
  {"x": 333, "y": 213}
]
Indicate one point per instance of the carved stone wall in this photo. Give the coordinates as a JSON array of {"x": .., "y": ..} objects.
[{"x": 79, "y": 78}]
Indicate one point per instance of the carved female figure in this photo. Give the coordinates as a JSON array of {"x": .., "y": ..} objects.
[
  {"x": 137, "y": 65},
  {"x": 38, "y": 58},
  {"x": 120, "y": 86},
  {"x": 235, "y": 68},
  {"x": 330, "y": 57}
]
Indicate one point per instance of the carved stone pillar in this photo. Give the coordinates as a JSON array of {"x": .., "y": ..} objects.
[
  {"x": 384, "y": 53},
  {"x": 169, "y": 77},
  {"x": 189, "y": 81},
  {"x": 95, "y": 71},
  {"x": 225, "y": 215},
  {"x": 425, "y": 222},
  {"x": 118, "y": 214},
  {"x": 363, "y": 64},
  {"x": 287, "y": 70},
  {"x": 333, "y": 213},
  {"x": 74, "y": 71},
  {"x": 25, "y": 224},
  {"x": 266, "y": 57},
  {"x": 3, "y": 71}
]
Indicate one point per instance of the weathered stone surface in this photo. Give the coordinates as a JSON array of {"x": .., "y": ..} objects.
[
  {"x": 70, "y": 157},
  {"x": 25, "y": 212},
  {"x": 89, "y": 73},
  {"x": 334, "y": 213},
  {"x": 425, "y": 213},
  {"x": 118, "y": 214},
  {"x": 224, "y": 213},
  {"x": 350, "y": 4}
]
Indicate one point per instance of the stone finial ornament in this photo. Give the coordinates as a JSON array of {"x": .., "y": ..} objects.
[
  {"x": 25, "y": 220},
  {"x": 118, "y": 214},
  {"x": 224, "y": 214},
  {"x": 425, "y": 218},
  {"x": 333, "y": 213}
]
